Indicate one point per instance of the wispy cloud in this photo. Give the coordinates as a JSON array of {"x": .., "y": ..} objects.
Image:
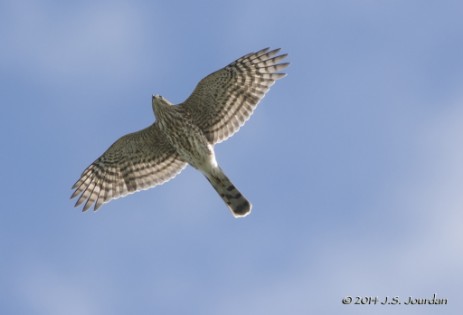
[{"x": 53, "y": 43}]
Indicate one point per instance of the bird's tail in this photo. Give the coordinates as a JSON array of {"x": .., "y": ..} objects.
[{"x": 237, "y": 203}]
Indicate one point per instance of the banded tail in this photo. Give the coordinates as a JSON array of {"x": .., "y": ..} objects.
[{"x": 236, "y": 202}]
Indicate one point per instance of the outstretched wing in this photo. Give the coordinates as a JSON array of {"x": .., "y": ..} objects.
[
  {"x": 136, "y": 161},
  {"x": 224, "y": 100}
]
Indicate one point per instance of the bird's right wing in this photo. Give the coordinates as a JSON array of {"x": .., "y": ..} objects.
[{"x": 136, "y": 161}]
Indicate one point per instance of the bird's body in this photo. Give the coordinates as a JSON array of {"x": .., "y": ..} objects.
[
  {"x": 185, "y": 134},
  {"x": 193, "y": 147},
  {"x": 188, "y": 140}
]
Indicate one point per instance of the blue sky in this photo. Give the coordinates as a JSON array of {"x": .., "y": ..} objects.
[{"x": 353, "y": 162}]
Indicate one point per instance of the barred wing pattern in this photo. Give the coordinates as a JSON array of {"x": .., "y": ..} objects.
[
  {"x": 136, "y": 161},
  {"x": 224, "y": 100}
]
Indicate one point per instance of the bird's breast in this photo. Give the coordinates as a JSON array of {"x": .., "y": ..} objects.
[{"x": 188, "y": 140}]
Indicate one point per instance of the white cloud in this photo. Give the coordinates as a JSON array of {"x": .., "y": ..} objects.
[
  {"x": 45, "y": 291},
  {"x": 54, "y": 43}
]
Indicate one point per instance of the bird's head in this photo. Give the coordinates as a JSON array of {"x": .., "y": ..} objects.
[{"x": 158, "y": 103}]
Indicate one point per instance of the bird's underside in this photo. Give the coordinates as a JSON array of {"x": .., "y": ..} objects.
[{"x": 185, "y": 134}]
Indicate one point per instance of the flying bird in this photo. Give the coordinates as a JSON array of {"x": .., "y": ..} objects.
[{"x": 185, "y": 134}]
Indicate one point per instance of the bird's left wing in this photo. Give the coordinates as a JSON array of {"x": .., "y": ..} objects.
[
  {"x": 224, "y": 100},
  {"x": 136, "y": 161}
]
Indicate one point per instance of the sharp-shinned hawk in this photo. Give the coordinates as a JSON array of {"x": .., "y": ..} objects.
[{"x": 185, "y": 134}]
